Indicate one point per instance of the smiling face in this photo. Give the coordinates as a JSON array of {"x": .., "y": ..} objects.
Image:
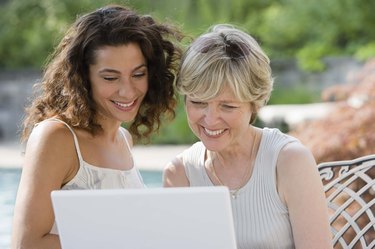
[
  {"x": 219, "y": 122},
  {"x": 119, "y": 81}
]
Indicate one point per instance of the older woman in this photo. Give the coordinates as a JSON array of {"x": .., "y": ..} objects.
[{"x": 277, "y": 195}]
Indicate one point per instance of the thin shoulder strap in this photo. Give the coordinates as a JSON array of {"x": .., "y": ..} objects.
[
  {"x": 74, "y": 137},
  {"x": 122, "y": 130},
  {"x": 126, "y": 139}
]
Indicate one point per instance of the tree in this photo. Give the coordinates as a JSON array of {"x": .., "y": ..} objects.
[
  {"x": 310, "y": 30},
  {"x": 348, "y": 131},
  {"x": 29, "y": 29},
  {"x": 306, "y": 30}
]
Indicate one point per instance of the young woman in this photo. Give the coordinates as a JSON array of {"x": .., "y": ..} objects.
[{"x": 112, "y": 66}]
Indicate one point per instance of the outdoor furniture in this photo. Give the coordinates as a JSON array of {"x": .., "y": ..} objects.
[{"x": 350, "y": 190}]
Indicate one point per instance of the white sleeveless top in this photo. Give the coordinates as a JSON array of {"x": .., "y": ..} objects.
[
  {"x": 94, "y": 177},
  {"x": 261, "y": 219}
]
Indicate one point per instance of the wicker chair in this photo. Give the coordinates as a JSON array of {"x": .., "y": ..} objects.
[{"x": 350, "y": 192}]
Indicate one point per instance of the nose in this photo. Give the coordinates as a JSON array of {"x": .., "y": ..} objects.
[
  {"x": 126, "y": 88},
  {"x": 211, "y": 115}
]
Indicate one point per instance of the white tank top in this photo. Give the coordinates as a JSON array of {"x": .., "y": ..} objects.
[
  {"x": 93, "y": 177},
  {"x": 261, "y": 219}
]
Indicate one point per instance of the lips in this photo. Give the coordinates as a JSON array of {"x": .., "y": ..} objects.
[
  {"x": 123, "y": 105},
  {"x": 213, "y": 132}
]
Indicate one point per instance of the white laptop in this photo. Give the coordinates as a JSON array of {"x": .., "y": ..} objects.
[{"x": 153, "y": 218}]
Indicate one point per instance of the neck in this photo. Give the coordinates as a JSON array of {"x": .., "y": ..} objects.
[
  {"x": 110, "y": 127},
  {"x": 240, "y": 154},
  {"x": 233, "y": 171}
]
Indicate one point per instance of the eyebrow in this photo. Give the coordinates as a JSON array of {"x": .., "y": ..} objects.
[
  {"x": 235, "y": 102},
  {"x": 224, "y": 101},
  {"x": 109, "y": 70}
]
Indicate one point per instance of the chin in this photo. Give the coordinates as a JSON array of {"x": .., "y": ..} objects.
[
  {"x": 127, "y": 120},
  {"x": 213, "y": 146}
]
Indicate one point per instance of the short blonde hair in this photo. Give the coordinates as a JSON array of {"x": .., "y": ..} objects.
[{"x": 226, "y": 56}]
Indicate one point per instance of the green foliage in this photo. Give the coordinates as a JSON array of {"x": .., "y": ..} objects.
[
  {"x": 304, "y": 30},
  {"x": 177, "y": 131},
  {"x": 309, "y": 57},
  {"x": 310, "y": 30},
  {"x": 29, "y": 29},
  {"x": 294, "y": 95},
  {"x": 366, "y": 52}
]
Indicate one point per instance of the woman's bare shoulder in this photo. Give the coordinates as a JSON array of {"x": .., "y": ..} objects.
[
  {"x": 51, "y": 142},
  {"x": 174, "y": 174}
]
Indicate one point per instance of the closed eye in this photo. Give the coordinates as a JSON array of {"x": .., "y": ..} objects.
[
  {"x": 197, "y": 102},
  {"x": 139, "y": 75},
  {"x": 108, "y": 78},
  {"x": 229, "y": 106}
]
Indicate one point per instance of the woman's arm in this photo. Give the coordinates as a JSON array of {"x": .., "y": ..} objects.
[
  {"x": 174, "y": 174},
  {"x": 50, "y": 161},
  {"x": 302, "y": 190}
]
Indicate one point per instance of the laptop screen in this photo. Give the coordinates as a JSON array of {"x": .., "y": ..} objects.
[{"x": 165, "y": 218}]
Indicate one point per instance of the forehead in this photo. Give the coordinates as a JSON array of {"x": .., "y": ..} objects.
[
  {"x": 128, "y": 53},
  {"x": 225, "y": 94}
]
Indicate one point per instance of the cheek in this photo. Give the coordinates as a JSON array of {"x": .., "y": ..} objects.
[
  {"x": 101, "y": 92},
  {"x": 145, "y": 86},
  {"x": 192, "y": 114},
  {"x": 244, "y": 120},
  {"x": 193, "y": 121}
]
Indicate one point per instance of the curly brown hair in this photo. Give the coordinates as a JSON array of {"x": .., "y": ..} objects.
[{"x": 65, "y": 90}]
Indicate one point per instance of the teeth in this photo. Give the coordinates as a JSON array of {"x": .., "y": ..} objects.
[
  {"x": 124, "y": 105},
  {"x": 213, "y": 133}
]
